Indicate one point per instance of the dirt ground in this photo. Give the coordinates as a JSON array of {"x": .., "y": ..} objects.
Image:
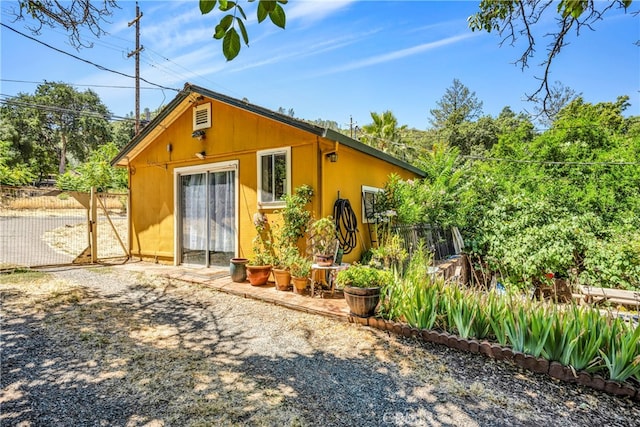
[{"x": 103, "y": 346}]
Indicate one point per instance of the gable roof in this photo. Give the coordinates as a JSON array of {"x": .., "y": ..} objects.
[{"x": 181, "y": 102}]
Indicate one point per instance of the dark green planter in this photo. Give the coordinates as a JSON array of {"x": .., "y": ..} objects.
[{"x": 238, "y": 269}]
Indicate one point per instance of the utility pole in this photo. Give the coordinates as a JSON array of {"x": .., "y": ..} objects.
[{"x": 137, "y": 54}]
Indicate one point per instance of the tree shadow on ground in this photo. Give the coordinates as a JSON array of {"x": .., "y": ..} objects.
[{"x": 152, "y": 356}]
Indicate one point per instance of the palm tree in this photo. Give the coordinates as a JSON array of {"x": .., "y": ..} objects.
[{"x": 383, "y": 133}]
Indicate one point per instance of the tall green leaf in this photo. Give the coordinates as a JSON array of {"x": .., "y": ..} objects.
[
  {"x": 278, "y": 17},
  {"x": 207, "y": 6},
  {"x": 231, "y": 44}
]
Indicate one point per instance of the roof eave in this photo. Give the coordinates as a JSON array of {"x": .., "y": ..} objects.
[{"x": 305, "y": 126}]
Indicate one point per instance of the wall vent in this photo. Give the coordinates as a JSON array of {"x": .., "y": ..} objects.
[{"x": 202, "y": 116}]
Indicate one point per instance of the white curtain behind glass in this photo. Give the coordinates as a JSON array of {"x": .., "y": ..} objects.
[
  {"x": 194, "y": 207},
  {"x": 222, "y": 211}
]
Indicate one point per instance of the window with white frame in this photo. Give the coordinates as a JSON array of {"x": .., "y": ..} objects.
[
  {"x": 370, "y": 203},
  {"x": 274, "y": 177}
]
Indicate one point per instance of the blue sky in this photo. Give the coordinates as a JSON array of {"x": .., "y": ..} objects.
[{"x": 335, "y": 61}]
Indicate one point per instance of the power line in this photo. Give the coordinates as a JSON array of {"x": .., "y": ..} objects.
[
  {"x": 100, "y": 67},
  {"x": 81, "y": 85},
  {"x": 53, "y": 108},
  {"x": 544, "y": 162},
  {"x": 151, "y": 62}
]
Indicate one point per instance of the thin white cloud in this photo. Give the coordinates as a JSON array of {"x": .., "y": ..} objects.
[
  {"x": 399, "y": 54},
  {"x": 312, "y": 11},
  {"x": 306, "y": 49}
]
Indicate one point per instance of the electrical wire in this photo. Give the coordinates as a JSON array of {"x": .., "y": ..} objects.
[
  {"x": 346, "y": 224},
  {"x": 80, "y": 85},
  {"x": 53, "y": 108},
  {"x": 100, "y": 67},
  {"x": 543, "y": 162}
]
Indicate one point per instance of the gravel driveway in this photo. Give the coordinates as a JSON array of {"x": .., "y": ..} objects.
[{"x": 102, "y": 346}]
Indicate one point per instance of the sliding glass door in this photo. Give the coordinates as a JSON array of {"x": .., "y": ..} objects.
[{"x": 207, "y": 216}]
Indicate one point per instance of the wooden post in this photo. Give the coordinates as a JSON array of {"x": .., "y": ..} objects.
[{"x": 94, "y": 226}]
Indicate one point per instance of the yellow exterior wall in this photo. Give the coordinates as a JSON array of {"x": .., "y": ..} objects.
[
  {"x": 347, "y": 176},
  {"x": 236, "y": 135}
]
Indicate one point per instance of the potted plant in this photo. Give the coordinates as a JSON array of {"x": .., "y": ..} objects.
[
  {"x": 324, "y": 241},
  {"x": 260, "y": 265},
  {"x": 295, "y": 217},
  {"x": 282, "y": 267},
  {"x": 361, "y": 285},
  {"x": 300, "y": 272}
]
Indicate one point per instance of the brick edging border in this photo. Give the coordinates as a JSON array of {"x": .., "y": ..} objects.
[{"x": 498, "y": 352}]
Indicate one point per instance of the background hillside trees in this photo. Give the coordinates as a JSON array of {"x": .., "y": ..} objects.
[
  {"x": 57, "y": 122},
  {"x": 57, "y": 129}
]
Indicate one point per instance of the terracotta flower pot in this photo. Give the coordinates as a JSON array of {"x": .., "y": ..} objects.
[
  {"x": 323, "y": 260},
  {"x": 258, "y": 275},
  {"x": 282, "y": 278},
  {"x": 299, "y": 284}
]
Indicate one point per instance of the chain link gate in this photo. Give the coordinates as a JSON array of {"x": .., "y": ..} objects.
[{"x": 48, "y": 227}]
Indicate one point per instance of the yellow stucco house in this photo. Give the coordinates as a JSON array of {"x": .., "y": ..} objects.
[{"x": 201, "y": 169}]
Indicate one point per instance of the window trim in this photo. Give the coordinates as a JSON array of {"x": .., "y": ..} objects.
[
  {"x": 370, "y": 190},
  {"x": 259, "y": 155}
]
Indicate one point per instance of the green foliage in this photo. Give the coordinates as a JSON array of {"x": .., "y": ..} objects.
[
  {"x": 295, "y": 215},
  {"x": 457, "y": 105},
  {"x": 55, "y": 125},
  {"x": 122, "y": 131},
  {"x": 579, "y": 337},
  {"x": 481, "y": 321},
  {"x": 461, "y": 311},
  {"x": 613, "y": 263},
  {"x": 295, "y": 218},
  {"x": 322, "y": 234},
  {"x": 300, "y": 266},
  {"x": 95, "y": 172},
  {"x": 391, "y": 254},
  {"x": 621, "y": 353},
  {"x": 434, "y": 199},
  {"x": 585, "y": 332},
  {"x": 17, "y": 175},
  {"x": 363, "y": 276},
  {"x": 561, "y": 203},
  {"x": 556, "y": 345},
  {"x": 414, "y": 296},
  {"x": 384, "y": 133},
  {"x": 528, "y": 326},
  {"x": 419, "y": 306},
  {"x": 496, "y": 309},
  {"x": 230, "y": 23},
  {"x": 12, "y": 172},
  {"x": 263, "y": 242}
]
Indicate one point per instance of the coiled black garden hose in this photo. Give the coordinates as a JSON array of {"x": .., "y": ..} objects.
[{"x": 346, "y": 224}]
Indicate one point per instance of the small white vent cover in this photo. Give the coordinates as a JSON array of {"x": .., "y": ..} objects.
[{"x": 202, "y": 116}]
